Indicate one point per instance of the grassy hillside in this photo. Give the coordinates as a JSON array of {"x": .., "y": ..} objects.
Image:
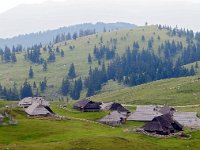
[
  {"x": 196, "y": 68},
  {"x": 18, "y": 72},
  {"x": 73, "y": 134},
  {"x": 178, "y": 91}
]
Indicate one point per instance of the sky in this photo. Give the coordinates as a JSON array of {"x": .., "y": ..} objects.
[
  {"x": 26, "y": 16},
  {"x": 8, "y": 4}
]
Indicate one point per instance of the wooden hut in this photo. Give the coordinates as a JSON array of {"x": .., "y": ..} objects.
[
  {"x": 87, "y": 106},
  {"x": 37, "y": 109},
  {"x": 113, "y": 119},
  {"x": 163, "y": 125},
  {"x": 28, "y": 101},
  {"x": 111, "y": 106}
]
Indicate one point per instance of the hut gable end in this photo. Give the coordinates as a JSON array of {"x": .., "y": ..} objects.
[{"x": 87, "y": 105}]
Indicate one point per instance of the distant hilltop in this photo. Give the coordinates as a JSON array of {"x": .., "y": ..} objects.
[{"x": 49, "y": 35}]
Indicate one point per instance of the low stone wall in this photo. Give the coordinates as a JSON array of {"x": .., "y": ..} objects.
[{"x": 180, "y": 134}]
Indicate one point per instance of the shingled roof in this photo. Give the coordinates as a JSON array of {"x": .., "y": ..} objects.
[
  {"x": 27, "y": 101},
  {"x": 37, "y": 109},
  {"x": 87, "y": 105},
  {"x": 82, "y": 103},
  {"x": 114, "y": 119},
  {"x": 188, "y": 119},
  {"x": 144, "y": 113}
]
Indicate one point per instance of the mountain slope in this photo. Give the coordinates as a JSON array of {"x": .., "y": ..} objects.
[
  {"x": 176, "y": 91},
  {"x": 18, "y": 72}
]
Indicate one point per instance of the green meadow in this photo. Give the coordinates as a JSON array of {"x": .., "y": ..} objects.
[
  {"x": 176, "y": 91},
  {"x": 75, "y": 134}
]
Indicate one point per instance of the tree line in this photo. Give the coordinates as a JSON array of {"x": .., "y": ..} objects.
[{"x": 65, "y": 37}]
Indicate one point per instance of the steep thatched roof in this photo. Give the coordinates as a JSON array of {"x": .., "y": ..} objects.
[
  {"x": 188, "y": 119},
  {"x": 27, "y": 101},
  {"x": 163, "y": 125},
  {"x": 37, "y": 109}
]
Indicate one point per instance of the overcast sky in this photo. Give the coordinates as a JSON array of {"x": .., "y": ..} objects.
[
  {"x": 8, "y": 4},
  {"x": 25, "y": 16}
]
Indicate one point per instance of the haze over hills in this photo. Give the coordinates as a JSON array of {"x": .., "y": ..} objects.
[
  {"x": 28, "y": 18},
  {"x": 48, "y": 36}
]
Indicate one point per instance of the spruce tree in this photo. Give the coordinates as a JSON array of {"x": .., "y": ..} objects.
[
  {"x": 76, "y": 90},
  {"x": 72, "y": 73},
  {"x": 65, "y": 87},
  {"x": 57, "y": 50},
  {"x": 89, "y": 59},
  {"x": 26, "y": 90},
  {"x": 7, "y": 54},
  {"x": 75, "y": 35},
  {"x": 31, "y": 73},
  {"x": 34, "y": 85}
]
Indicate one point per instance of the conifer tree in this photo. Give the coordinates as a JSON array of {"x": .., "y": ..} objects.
[
  {"x": 31, "y": 73},
  {"x": 34, "y": 85},
  {"x": 26, "y": 90},
  {"x": 65, "y": 87},
  {"x": 72, "y": 73},
  {"x": 89, "y": 59}
]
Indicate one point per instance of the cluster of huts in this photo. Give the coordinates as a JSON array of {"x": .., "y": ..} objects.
[
  {"x": 116, "y": 117},
  {"x": 161, "y": 120},
  {"x": 36, "y": 106},
  {"x": 164, "y": 120}
]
